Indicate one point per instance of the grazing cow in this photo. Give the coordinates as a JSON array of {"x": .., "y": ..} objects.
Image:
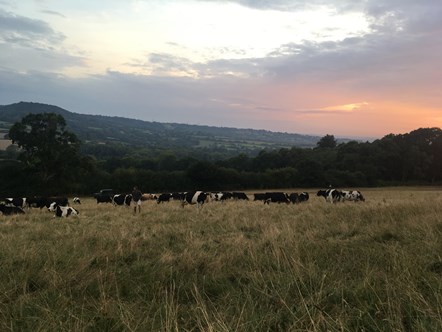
[
  {"x": 303, "y": 197},
  {"x": 104, "y": 199},
  {"x": 41, "y": 202},
  {"x": 37, "y": 201},
  {"x": 239, "y": 195},
  {"x": 122, "y": 199},
  {"x": 330, "y": 195},
  {"x": 294, "y": 197},
  {"x": 148, "y": 197},
  {"x": 76, "y": 200},
  {"x": 17, "y": 202},
  {"x": 276, "y": 197},
  {"x": 165, "y": 197},
  {"x": 62, "y": 211},
  {"x": 8, "y": 210},
  {"x": 177, "y": 196},
  {"x": 298, "y": 198},
  {"x": 259, "y": 197},
  {"x": 352, "y": 195},
  {"x": 194, "y": 197},
  {"x": 221, "y": 196}
]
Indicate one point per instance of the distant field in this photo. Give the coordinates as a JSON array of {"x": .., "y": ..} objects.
[
  {"x": 234, "y": 266},
  {"x": 4, "y": 143}
]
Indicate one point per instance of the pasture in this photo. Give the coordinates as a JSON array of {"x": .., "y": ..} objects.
[{"x": 233, "y": 266}]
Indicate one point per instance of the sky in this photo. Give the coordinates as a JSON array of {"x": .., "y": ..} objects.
[{"x": 347, "y": 68}]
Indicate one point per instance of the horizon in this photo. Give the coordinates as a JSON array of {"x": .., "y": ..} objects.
[
  {"x": 311, "y": 68},
  {"x": 359, "y": 138}
]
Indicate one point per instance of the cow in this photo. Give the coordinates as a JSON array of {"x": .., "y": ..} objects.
[
  {"x": 17, "y": 202},
  {"x": 239, "y": 195},
  {"x": 177, "y": 196},
  {"x": 303, "y": 197},
  {"x": 122, "y": 199},
  {"x": 294, "y": 197},
  {"x": 298, "y": 198},
  {"x": 352, "y": 195},
  {"x": 259, "y": 197},
  {"x": 194, "y": 197},
  {"x": 221, "y": 196},
  {"x": 104, "y": 199},
  {"x": 37, "y": 201},
  {"x": 77, "y": 200},
  {"x": 8, "y": 210},
  {"x": 148, "y": 197},
  {"x": 276, "y": 197},
  {"x": 165, "y": 197},
  {"x": 330, "y": 195},
  {"x": 41, "y": 201},
  {"x": 62, "y": 211}
]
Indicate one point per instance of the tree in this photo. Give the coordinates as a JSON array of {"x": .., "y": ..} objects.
[
  {"x": 48, "y": 150},
  {"x": 328, "y": 141}
]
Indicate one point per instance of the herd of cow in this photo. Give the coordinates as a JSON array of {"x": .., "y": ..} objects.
[
  {"x": 60, "y": 205},
  {"x": 57, "y": 204}
]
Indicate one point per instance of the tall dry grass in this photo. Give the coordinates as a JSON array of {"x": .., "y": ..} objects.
[{"x": 237, "y": 266}]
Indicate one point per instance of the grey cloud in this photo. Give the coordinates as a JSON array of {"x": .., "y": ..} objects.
[
  {"x": 51, "y": 12},
  {"x": 293, "y": 5},
  {"x": 27, "y": 32}
]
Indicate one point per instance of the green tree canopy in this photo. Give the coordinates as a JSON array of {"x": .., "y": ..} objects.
[
  {"x": 47, "y": 148},
  {"x": 328, "y": 141}
]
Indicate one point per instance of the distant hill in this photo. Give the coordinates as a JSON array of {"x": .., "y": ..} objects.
[{"x": 98, "y": 130}]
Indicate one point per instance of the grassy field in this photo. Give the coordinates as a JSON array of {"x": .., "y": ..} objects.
[{"x": 238, "y": 266}]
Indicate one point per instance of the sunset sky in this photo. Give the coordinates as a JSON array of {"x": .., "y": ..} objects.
[{"x": 343, "y": 67}]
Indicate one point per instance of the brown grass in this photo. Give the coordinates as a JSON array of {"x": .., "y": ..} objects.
[{"x": 234, "y": 266}]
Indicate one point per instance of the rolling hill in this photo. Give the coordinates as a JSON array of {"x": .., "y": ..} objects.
[{"x": 108, "y": 131}]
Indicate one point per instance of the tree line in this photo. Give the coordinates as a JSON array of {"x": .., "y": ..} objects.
[{"x": 47, "y": 159}]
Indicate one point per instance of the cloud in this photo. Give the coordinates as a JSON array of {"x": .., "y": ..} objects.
[
  {"x": 391, "y": 73},
  {"x": 27, "y": 32},
  {"x": 51, "y": 12}
]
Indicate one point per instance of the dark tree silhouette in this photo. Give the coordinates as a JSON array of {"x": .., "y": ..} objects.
[
  {"x": 47, "y": 148},
  {"x": 328, "y": 141}
]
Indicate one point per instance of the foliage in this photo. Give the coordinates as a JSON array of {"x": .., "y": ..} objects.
[
  {"x": 48, "y": 151},
  {"x": 106, "y": 137},
  {"x": 411, "y": 158},
  {"x": 328, "y": 141}
]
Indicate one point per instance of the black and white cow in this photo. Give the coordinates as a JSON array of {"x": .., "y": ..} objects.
[
  {"x": 76, "y": 200},
  {"x": 62, "y": 211},
  {"x": 195, "y": 197},
  {"x": 298, "y": 198},
  {"x": 239, "y": 195},
  {"x": 104, "y": 199},
  {"x": 20, "y": 202},
  {"x": 42, "y": 201},
  {"x": 8, "y": 210},
  {"x": 259, "y": 197},
  {"x": 221, "y": 196},
  {"x": 303, "y": 197},
  {"x": 122, "y": 199},
  {"x": 330, "y": 195},
  {"x": 352, "y": 195},
  {"x": 165, "y": 197},
  {"x": 294, "y": 197},
  {"x": 177, "y": 196},
  {"x": 276, "y": 197}
]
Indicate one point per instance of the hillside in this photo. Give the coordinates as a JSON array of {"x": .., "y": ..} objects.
[{"x": 111, "y": 131}]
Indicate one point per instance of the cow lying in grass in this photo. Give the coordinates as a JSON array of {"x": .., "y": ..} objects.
[
  {"x": 62, "y": 211},
  {"x": 8, "y": 210}
]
